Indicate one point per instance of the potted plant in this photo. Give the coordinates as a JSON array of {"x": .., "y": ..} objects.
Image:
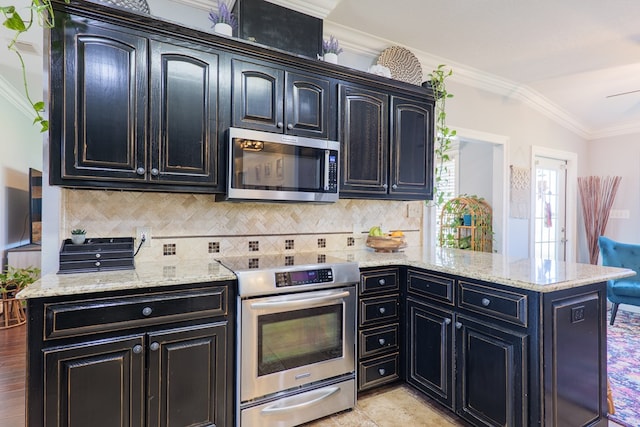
[
  {"x": 223, "y": 20},
  {"x": 12, "y": 281},
  {"x": 330, "y": 50},
  {"x": 78, "y": 236}
]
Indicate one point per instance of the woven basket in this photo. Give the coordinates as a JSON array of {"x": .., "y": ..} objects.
[{"x": 137, "y": 5}]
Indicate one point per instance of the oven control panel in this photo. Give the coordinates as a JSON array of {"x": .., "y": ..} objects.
[{"x": 304, "y": 277}]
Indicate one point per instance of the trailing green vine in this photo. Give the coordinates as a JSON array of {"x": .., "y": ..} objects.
[
  {"x": 444, "y": 135},
  {"x": 40, "y": 11}
]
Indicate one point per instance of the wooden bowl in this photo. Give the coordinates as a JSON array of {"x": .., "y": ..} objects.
[{"x": 386, "y": 243}]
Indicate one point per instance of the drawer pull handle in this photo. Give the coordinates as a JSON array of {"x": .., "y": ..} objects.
[
  {"x": 155, "y": 172},
  {"x": 447, "y": 321},
  {"x": 147, "y": 311},
  {"x": 97, "y": 263},
  {"x": 289, "y": 126},
  {"x": 140, "y": 171},
  {"x": 382, "y": 310},
  {"x": 382, "y": 341},
  {"x": 382, "y": 282},
  {"x": 458, "y": 325},
  {"x": 486, "y": 301},
  {"x": 279, "y": 125},
  {"x": 98, "y": 255},
  {"x": 154, "y": 346},
  {"x": 382, "y": 371},
  {"x": 137, "y": 349}
]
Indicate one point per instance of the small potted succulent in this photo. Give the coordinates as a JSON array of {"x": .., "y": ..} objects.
[
  {"x": 330, "y": 50},
  {"x": 78, "y": 236},
  {"x": 223, "y": 20}
]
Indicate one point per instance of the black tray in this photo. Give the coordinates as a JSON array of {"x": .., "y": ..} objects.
[{"x": 111, "y": 253}]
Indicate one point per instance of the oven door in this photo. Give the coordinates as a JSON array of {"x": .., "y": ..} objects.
[{"x": 296, "y": 339}]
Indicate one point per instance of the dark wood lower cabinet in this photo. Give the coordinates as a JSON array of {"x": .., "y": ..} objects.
[
  {"x": 132, "y": 358},
  {"x": 504, "y": 356},
  {"x": 96, "y": 384}
]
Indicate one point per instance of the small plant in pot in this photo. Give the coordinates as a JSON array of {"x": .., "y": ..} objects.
[
  {"x": 223, "y": 20},
  {"x": 12, "y": 281},
  {"x": 78, "y": 236},
  {"x": 330, "y": 50}
]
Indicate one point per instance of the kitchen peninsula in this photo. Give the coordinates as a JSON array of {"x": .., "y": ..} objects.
[{"x": 531, "y": 331}]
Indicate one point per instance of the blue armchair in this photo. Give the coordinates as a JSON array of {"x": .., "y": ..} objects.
[{"x": 625, "y": 255}]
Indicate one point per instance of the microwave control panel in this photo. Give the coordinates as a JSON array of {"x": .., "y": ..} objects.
[
  {"x": 304, "y": 277},
  {"x": 333, "y": 172}
]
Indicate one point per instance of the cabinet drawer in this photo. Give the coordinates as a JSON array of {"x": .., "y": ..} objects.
[
  {"x": 496, "y": 303},
  {"x": 434, "y": 287},
  {"x": 379, "y": 281},
  {"x": 378, "y": 371},
  {"x": 376, "y": 310},
  {"x": 110, "y": 314},
  {"x": 378, "y": 340}
]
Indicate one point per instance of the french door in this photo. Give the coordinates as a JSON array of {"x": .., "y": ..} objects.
[{"x": 550, "y": 222}]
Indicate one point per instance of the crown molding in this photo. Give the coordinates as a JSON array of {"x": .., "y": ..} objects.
[
  {"x": 317, "y": 8},
  {"x": 16, "y": 98},
  {"x": 370, "y": 45}
]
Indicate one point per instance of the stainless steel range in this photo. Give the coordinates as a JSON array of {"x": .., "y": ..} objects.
[{"x": 296, "y": 339}]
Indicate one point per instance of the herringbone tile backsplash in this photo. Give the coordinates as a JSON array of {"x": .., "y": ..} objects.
[{"x": 202, "y": 228}]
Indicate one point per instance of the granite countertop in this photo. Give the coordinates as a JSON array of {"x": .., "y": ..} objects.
[{"x": 532, "y": 274}]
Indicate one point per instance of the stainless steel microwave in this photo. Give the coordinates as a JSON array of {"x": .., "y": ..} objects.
[{"x": 278, "y": 167}]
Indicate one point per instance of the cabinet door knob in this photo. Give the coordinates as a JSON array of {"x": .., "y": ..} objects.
[
  {"x": 289, "y": 126},
  {"x": 279, "y": 125},
  {"x": 140, "y": 171},
  {"x": 382, "y": 371},
  {"x": 155, "y": 172},
  {"x": 147, "y": 311},
  {"x": 447, "y": 321},
  {"x": 137, "y": 349},
  {"x": 394, "y": 186},
  {"x": 97, "y": 263},
  {"x": 154, "y": 346},
  {"x": 382, "y": 310},
  {"x": 98, "y": 255},
  {"x": 382, "y": 341},
  {"x": 385, "y": 186},
  {"x": 486, "y": 301},
  {"x": 382, "y": 282},
  {"x": 458, "y": 325}
]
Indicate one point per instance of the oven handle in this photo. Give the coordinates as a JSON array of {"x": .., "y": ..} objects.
[
  {"x": 301, "y": 301},
  {"x": 326, "y": 392}
]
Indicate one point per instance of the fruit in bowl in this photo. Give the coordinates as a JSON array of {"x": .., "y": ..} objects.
[{"x": 385, "y": 242}]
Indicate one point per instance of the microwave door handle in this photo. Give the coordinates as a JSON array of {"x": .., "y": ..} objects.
[
  {"x": 322, "y": 394},
  {"x": 301, "y": 301},
  {"x": 326, "y": 170}
]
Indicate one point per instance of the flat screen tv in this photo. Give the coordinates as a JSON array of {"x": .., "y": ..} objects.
[{"x": 35, "y": 205}]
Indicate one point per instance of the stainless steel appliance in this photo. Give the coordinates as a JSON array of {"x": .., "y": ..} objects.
[
  {"x": 296, "y": 338},
  {"x": 278, "y": 167}
]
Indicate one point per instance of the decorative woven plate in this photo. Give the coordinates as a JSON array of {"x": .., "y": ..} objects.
[{"x": 403, "y": 64}]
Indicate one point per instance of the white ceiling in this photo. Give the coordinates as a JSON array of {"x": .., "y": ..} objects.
[
  {"x": 564, "y": 57},
  {"x": 572, "y": 53}
]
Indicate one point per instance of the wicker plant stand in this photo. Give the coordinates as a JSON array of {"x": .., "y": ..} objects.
[
  {"x": 12, "y": 311},
  {"x": 466, "y": 223}
]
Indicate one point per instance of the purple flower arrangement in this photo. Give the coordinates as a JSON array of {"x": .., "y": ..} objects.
[
  {"x": 223, "y": 16},
  {"x": 331, "y": 46}
]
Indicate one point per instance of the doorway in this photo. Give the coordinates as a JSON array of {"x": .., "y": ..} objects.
[{"x": 553, "y": 205}]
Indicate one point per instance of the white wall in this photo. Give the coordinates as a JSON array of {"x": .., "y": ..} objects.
[
  {"x": 20, "y": 149},
  {"x": 620, "y": 156}
]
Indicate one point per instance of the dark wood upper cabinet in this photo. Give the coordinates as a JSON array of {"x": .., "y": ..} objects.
[
  {"x": 135, "y": 112},
  {"x": 276, "y": 100},
  {"x": 411, "y": 162},
  {"x": 364, "y": 142},
  {"x": 387, "y": 145}
]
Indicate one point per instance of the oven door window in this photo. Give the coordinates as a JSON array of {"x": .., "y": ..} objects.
[
  {"x": 262, "y": 165},
  {"x": 291, "y": 339}
]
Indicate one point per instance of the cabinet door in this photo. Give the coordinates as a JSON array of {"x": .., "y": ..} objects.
[
  {"x": 105, "y": 103},
  {"x": 188, "y": 377},
  {"x": 491, "y": 366},
  {"x": 98, "y": 384},
  {"x": 307, "y": 105},
  {"x": 411, "y": 172},
  {"x": 430, "y": 351},
  {"x": 363, "y": 132},
  {"x": 184, "y": 115},
  {"x": 258, "y": 96}
]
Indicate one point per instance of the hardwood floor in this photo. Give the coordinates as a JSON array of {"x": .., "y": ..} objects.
[{"x": 13, "y": 362}]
